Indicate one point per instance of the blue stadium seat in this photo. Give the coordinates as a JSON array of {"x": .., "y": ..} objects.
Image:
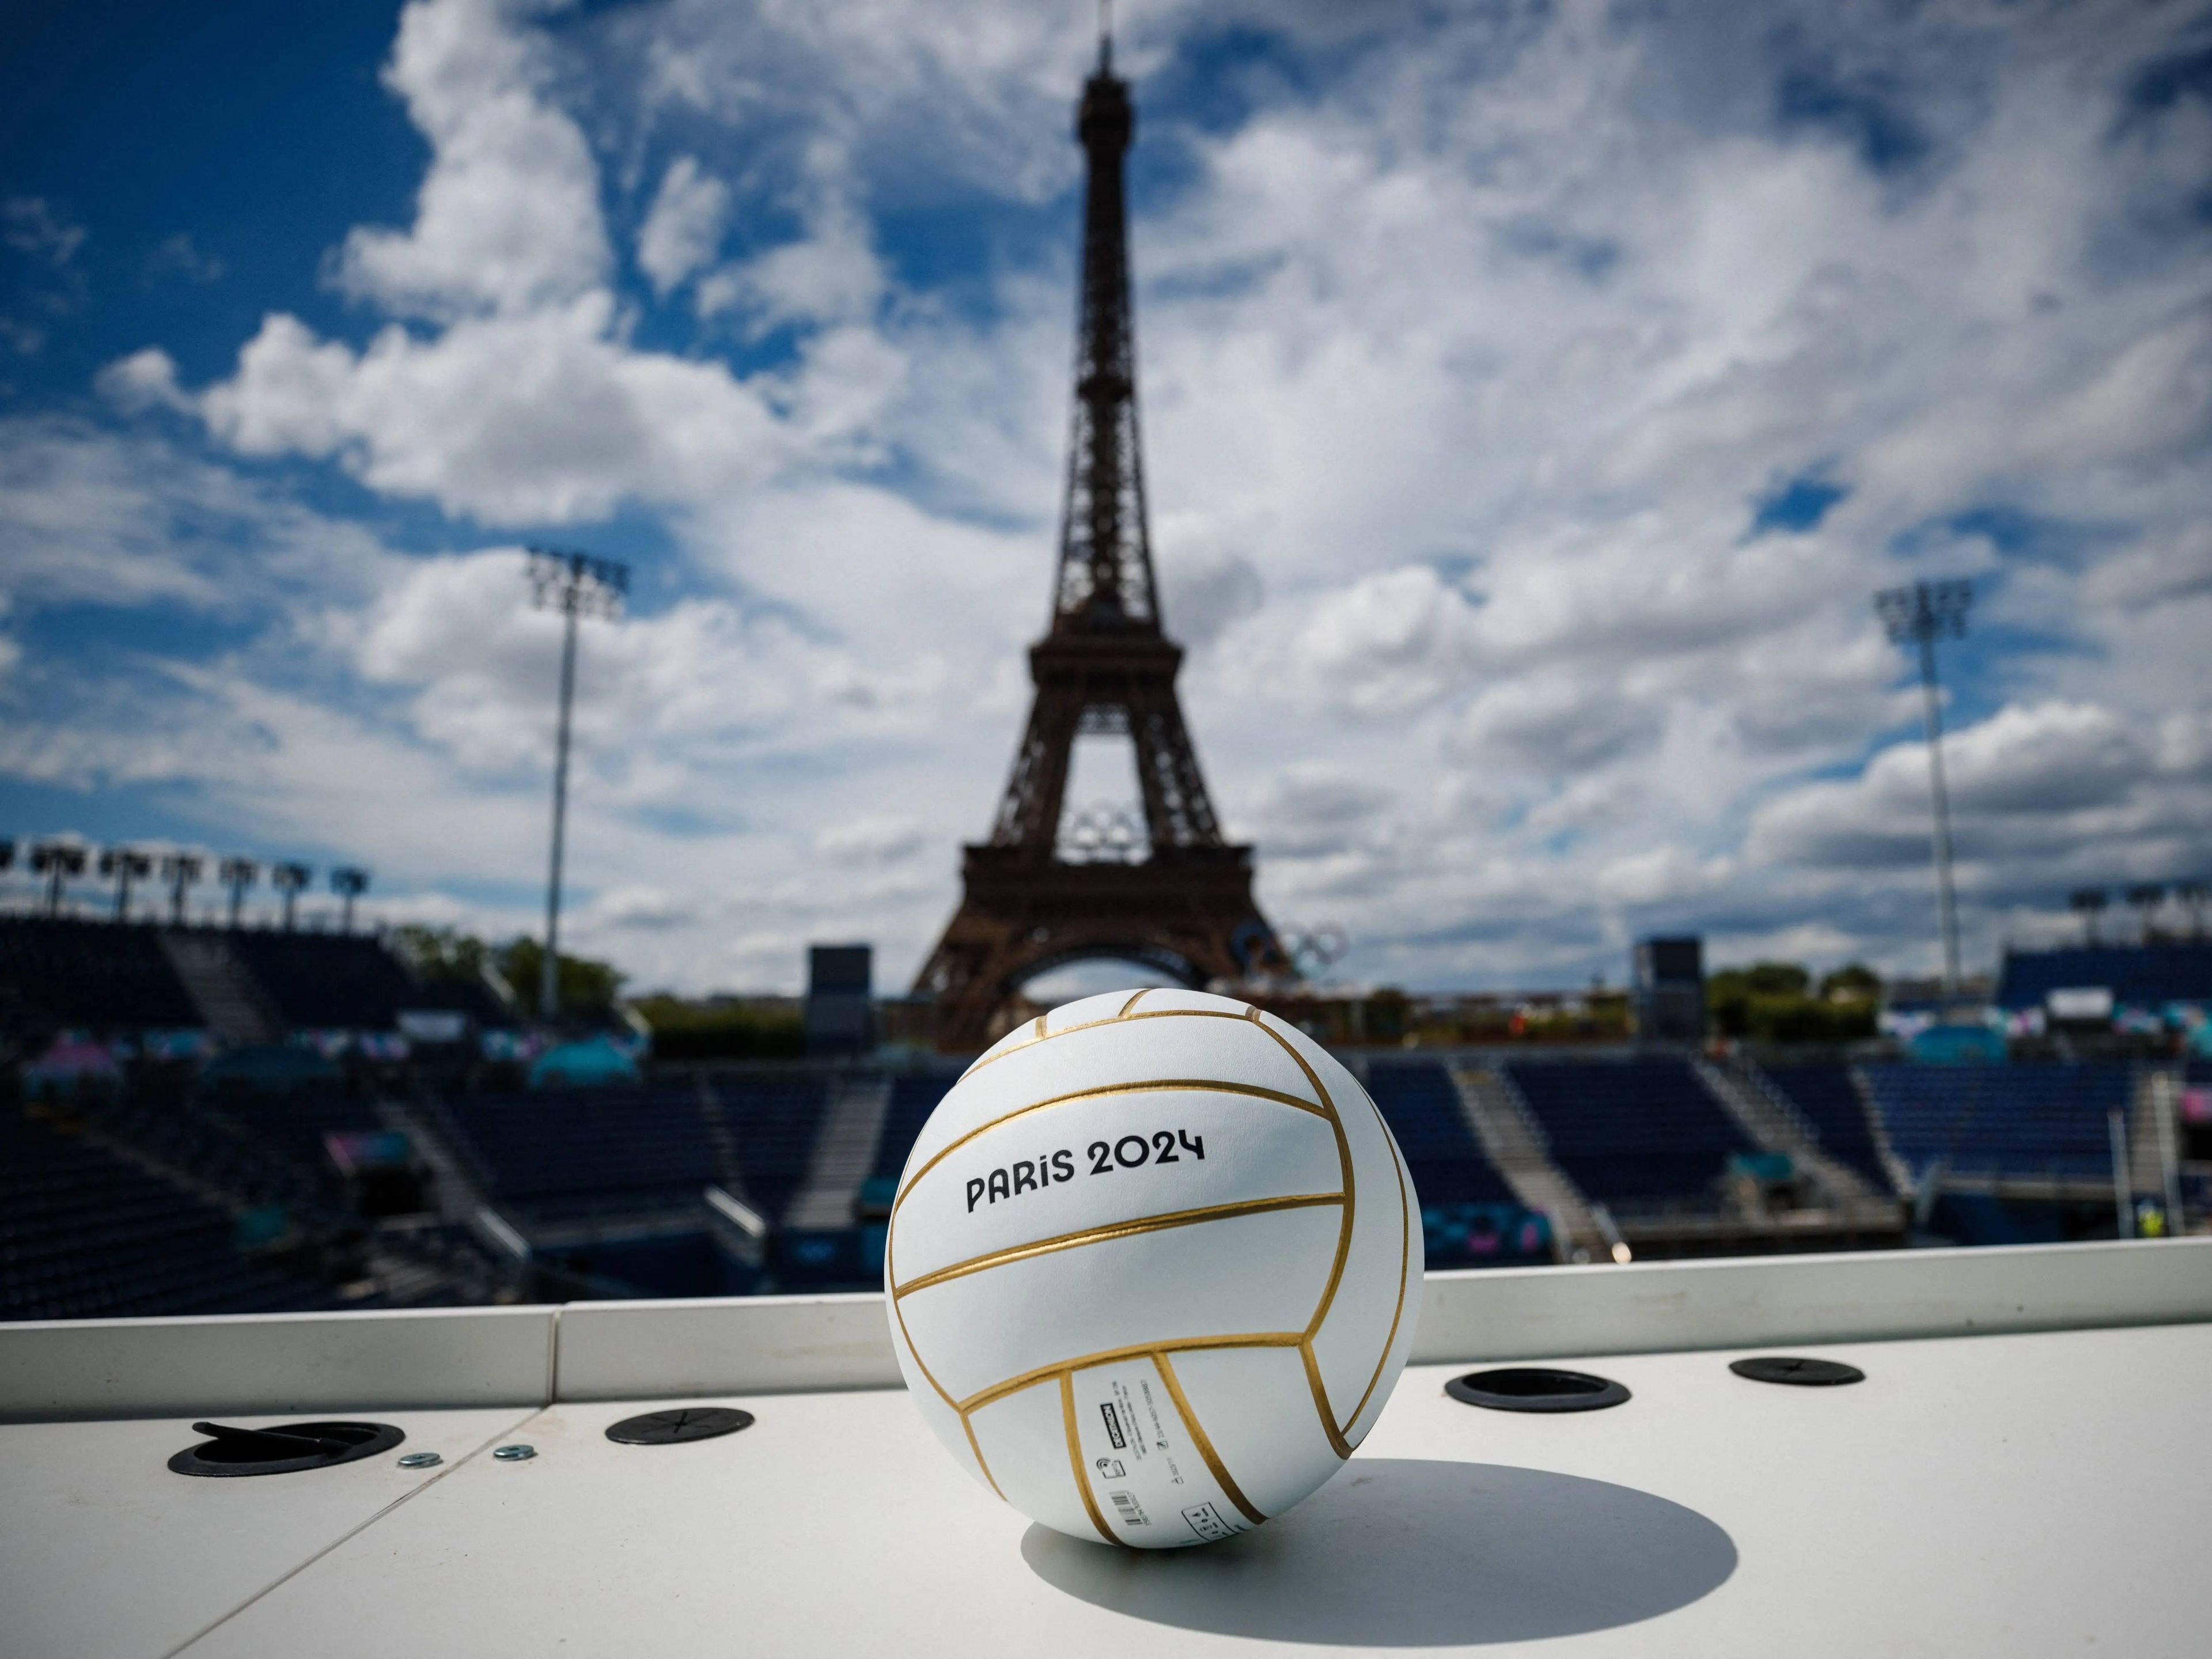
[
  {"x": 914, "y": 1096},
  {"x": 1631, "y": 1133},
  {"x": 102, "y": 975},
  {"x": 326, "y": 981},
  {"x": 2028, "y": 1121},
  {"x": 1829, "y": 1102},
  {"x": 774, "y": 1121},
  {"x": 1418, "y": 1102},
  {"x": 84, "y": 1235},
  {"x": 579, "y": 1152}
]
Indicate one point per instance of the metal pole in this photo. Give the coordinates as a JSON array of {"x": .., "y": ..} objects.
[
  {"x": 2124, "y": 1208},
  {"x": 1946, "y": 902},
  {"x": 2162, "y": 1086},
  {"x": 548, "y": 976}
]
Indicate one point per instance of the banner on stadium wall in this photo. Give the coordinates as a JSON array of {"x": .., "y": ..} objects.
[{"x": 2080, "y": 1002}]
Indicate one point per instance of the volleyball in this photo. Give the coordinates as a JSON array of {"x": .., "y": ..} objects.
[{"x": 1151, "y": 1268}]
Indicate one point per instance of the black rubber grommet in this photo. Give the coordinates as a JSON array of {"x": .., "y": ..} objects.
[
  {"x": 233, "y": 1456},
  {"x": 1536, "y": 1388},
  {"x": 678, "y": 1424},
  {"x": 1797, "y": 1372}
]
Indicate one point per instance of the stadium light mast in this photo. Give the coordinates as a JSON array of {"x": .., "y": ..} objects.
[
  {"x": 1920, "y": 614},
  {"x": 576, "y": 584},
  {"x": 180, "y": 871},
  {"x": 126, "y": 864},
  {"x": 239, "y": 874},
  {"x": 287, "y": 879},
  {"x": 349, "y": 882},
  {"x": 57, "y": 860}
]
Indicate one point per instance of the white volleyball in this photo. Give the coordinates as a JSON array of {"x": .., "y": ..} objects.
[{"x": 1152, "y": 1267}]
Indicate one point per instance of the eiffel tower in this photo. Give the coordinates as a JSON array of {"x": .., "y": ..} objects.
[{"x": 1029, "y": 902}]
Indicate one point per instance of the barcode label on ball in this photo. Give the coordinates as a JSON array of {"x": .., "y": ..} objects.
[{"x": 1146, "y": 1466}]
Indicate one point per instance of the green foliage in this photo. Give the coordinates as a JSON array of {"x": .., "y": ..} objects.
[
  {"x": 584, "y": 986},
  {"x": 440, "y": 952},
  {"x": 720, "y": 1030},
  {"x": 1852, "y": 982},
  {"x": 1388, "y": 1013},
  {"x": 1771, "y": 1002}
]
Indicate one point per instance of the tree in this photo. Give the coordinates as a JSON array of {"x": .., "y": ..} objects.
[
  {"x": 585, "y": 986},
  {"x": 440, "y": 952},
  {"x": 1852, "y": 982}
]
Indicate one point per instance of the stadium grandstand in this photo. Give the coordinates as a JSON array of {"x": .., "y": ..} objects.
[{"x": 311, "y": 1120}]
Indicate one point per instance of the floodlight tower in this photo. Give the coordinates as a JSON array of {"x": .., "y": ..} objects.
[
  {"x": 2192, "y": 894},
  {"x": 2089, "y": 903},
  {"x": 2143, "y": 898},
  {"x": 57, "y": 860},
  {"x": 349, "y": 882},
  {"x": 180, "y": 871},
  {"x": 126, "y": 864},
  {"x": 576, "y": 584},
  {"x": 287, "y": 879},
  {"x": 239, "y": 874},
  {"x": 1920, "y": 614}
]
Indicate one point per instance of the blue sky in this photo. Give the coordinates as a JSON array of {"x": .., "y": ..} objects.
[{"x": 1534, "y": 397}]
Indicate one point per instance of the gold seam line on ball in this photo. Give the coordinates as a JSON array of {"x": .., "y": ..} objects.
[
  {"x": 1221, "y": 1476},
  {"x": 1075, "y": 1458},
  {"x": 1148, "y": 1085},
  {"x": 977, "y": 1447},
  {"x": 890, "y": 1273},
  {"x": 1131, "y": 1004},
  {"x": 1337, "y": 1443},
  {"x": 1351, "y": 1190},
  {"x": 1112, "y": 1230},
  {"x": 1039, "y": 1037},
  {"x": 1092, "y": 1025},
  {"x": 1405, "y": 1264},
  {"x": 982, "y": 1397}
]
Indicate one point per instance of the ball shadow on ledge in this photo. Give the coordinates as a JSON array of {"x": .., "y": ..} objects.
[{"x": 1410, "y": 1552}]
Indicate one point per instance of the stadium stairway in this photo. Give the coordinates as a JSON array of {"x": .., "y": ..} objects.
[
  {"x": 2152, "y": 1135},
  {"x": 1511, "y": 1142},
  {"x": 1762, "y": 1113},
  {"x": 844, "y": 1152},
  {"x": 729, "y": 1175},
  {"x": 462, "y": 1200},
  {"x": 220, "y": 987}
]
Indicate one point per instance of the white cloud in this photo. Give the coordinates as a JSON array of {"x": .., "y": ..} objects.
[
  {"x": 508, "y": 217},
  {"x": 1466, "y": 354},
  {"x": 684, "y": 226}
]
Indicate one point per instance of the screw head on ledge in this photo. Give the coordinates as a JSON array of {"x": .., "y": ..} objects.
[{"x": 515, "y": 1454}]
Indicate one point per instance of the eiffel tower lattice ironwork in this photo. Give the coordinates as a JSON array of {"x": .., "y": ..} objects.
[{"x": 1031, "y": 899}]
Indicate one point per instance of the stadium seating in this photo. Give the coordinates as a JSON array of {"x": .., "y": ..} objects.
[
  {"x": 94, "y": 974},
  {"x": 1631, "y": 1133},
  {"x": 326, "y": 981},
  {"x": 914, "y": 1096},
  {"x": 581, "y": 1153},
  {"x": 773, "y": 1120},
  {"x": 2138, "y": 975},
  {"x": 84, "y": 1235},
  {"x": 1828, "y": 1101},
  {"x": 2034, "y": 1121},
  {"x": 1420, "y": 1104}
]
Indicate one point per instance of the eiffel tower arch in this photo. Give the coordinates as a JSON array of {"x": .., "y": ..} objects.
[{"x": 1029, "y": 903}]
